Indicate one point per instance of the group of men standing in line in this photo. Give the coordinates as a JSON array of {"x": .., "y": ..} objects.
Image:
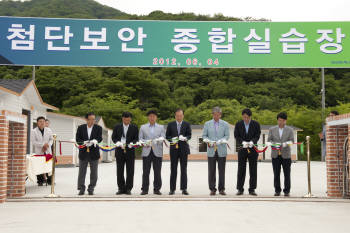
[{"x": 247, "y": 133}]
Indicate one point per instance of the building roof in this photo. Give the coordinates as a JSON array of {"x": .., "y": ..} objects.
[{"x": 16, "y": 85}]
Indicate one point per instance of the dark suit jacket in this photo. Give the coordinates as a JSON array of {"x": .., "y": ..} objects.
[
  {"x": 82, "y": 135},
  {"x": 253, "y": 132},
  {"x": 132, "y": 135},
  {"x": 185, "y": 131}
]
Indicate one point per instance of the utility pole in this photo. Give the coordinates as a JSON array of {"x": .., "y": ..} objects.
[
  {"x": 33, "y": 74},
  {"x": 323, "y": 103}
]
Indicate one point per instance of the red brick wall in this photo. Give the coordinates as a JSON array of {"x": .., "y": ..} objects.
[
  {"x": 335, "y": 138},
  {"x": 12, "y": 167},
  {"x": 3, "y": 157},
  {"x": 16, "y": 166}
]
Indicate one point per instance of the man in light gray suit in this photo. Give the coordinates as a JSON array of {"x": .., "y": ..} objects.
[
  {"x": 152, "y": 133},
  {"x": 284, "y": 136},
  {"x": 216, "y": 130}
]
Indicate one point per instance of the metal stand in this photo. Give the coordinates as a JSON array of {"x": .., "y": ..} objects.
[
  {"x": 52, "y": 194},
  {"x": 309, "y": 194}
]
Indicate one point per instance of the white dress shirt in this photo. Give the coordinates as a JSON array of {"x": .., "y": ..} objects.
[
  {"x": 280, "y": 131},
  {"x": 125, "y": 127},
  {"x": 89, "y": 130}
]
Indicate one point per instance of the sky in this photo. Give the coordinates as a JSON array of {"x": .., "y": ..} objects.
[{"x": 275, "y": 10}]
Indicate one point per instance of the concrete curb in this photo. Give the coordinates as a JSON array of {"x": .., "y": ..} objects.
[{"x": 154, "y": 198}]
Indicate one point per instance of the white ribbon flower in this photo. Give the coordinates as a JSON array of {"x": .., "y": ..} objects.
[
  {"x": 245, "y": 144},
  {"x": 251, "y": 144},
  {"x": 268, "y": 143}
]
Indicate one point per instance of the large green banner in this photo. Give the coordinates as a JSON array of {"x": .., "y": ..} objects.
[{"x": 85, "y": 42}]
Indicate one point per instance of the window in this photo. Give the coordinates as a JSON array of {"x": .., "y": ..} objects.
[{"x": 202, "y": 146}]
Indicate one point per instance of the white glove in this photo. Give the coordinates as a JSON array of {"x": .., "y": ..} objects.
[
  {"x": 88, "y": 143},
  {"x": 182, "y": 138},
  {"x": 72, "y": 140},
  {"x": 94, "y": 142},
  {"x": 251, "y": 144},
  {"x": 160, "y": 139},
  {"x": 206, "y": 140},
  {"x": 245, "y": 144},
  {"x": 268, "y": 144},
  {"x": 119, "y": 144},
  {"x": 224, "y": 141}
]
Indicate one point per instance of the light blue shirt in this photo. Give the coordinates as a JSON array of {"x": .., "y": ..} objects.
[
  {"x": 216, "y": 126},
  {"x": 246, "y": 127},
  {"x": 151, "y": 128}
]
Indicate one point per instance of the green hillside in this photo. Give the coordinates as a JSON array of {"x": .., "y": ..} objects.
[{"x": 109, "y": 91}]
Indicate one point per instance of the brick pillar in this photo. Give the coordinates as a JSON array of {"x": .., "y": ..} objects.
[
  {"x": 335, "y": 138},
  {"x": 3, "y": 156},
  {"x": 16, "y": 166}
]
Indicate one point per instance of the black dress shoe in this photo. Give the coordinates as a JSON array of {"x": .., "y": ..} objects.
[
  {"x": 157, "y": 192},
  {"x": 128, "y": 192},
  {"x": 184, "y": 192},
  {"x": 277, "y": 194},
  {"x": 222, "y": 192},
  {"x": 212, "y": 193},
  {"x": 239, "y": 193},
  {"x": 253, "y": 193},
  {"x": 81, "y": 192},
  {"x": 91, "y": 193},
  {"x": 119, "y": 192},
  {"x": 144, "y": 193},
  {"x": 171, "y": 192},
  {"x": 286, "y": 194}
]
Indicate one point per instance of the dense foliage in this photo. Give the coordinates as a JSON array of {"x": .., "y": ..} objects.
[{"x": 109, "y": 91}]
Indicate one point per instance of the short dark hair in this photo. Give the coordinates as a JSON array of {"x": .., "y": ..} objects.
[
  {"x": 47, "y": 119},
  {"x": 152, "y": 112},
  {"x": 247, "y": 111},
  {"x": 335, "y": 112},
  {"x": 126, "y": 115},
  {"x": 89, "y": 114},
  {"x": 179, "y": 109},
  {"x": 40, "y": 118},
  {"x": 282, "y": 115}
]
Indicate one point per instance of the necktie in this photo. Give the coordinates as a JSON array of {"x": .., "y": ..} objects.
[{"x": 178, "y": 128}]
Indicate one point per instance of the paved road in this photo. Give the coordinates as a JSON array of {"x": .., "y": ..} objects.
[
  {"x": 197, "y": 213},
  {"x": 66, "y": 179}
]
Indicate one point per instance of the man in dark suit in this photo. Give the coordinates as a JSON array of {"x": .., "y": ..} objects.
[
  {"x": 247, "y": 133},
  {"x": 179, "y": 151},
  {"x": 125, "y": 133},
  {"x": 88, "y": 134}
]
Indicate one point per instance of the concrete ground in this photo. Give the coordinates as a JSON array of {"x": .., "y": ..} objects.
[
  {"x": 66, "y": 179},
  {"x": 196, "y": 213}
]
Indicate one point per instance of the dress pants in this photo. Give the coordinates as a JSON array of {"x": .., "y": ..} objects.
[
  {"x": 125, "y": 160},
  {"x": 252, "y": 156},
  {"x": 286, "y": 165},
  {"x": 174, "y": 159},
  {"x": 83, "y": 164},
  {"x": 147, "y": 162},
  {"x": 221, "y": 161}
]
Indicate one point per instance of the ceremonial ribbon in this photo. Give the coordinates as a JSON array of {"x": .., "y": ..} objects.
[{"x": 106, "y": 147}]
